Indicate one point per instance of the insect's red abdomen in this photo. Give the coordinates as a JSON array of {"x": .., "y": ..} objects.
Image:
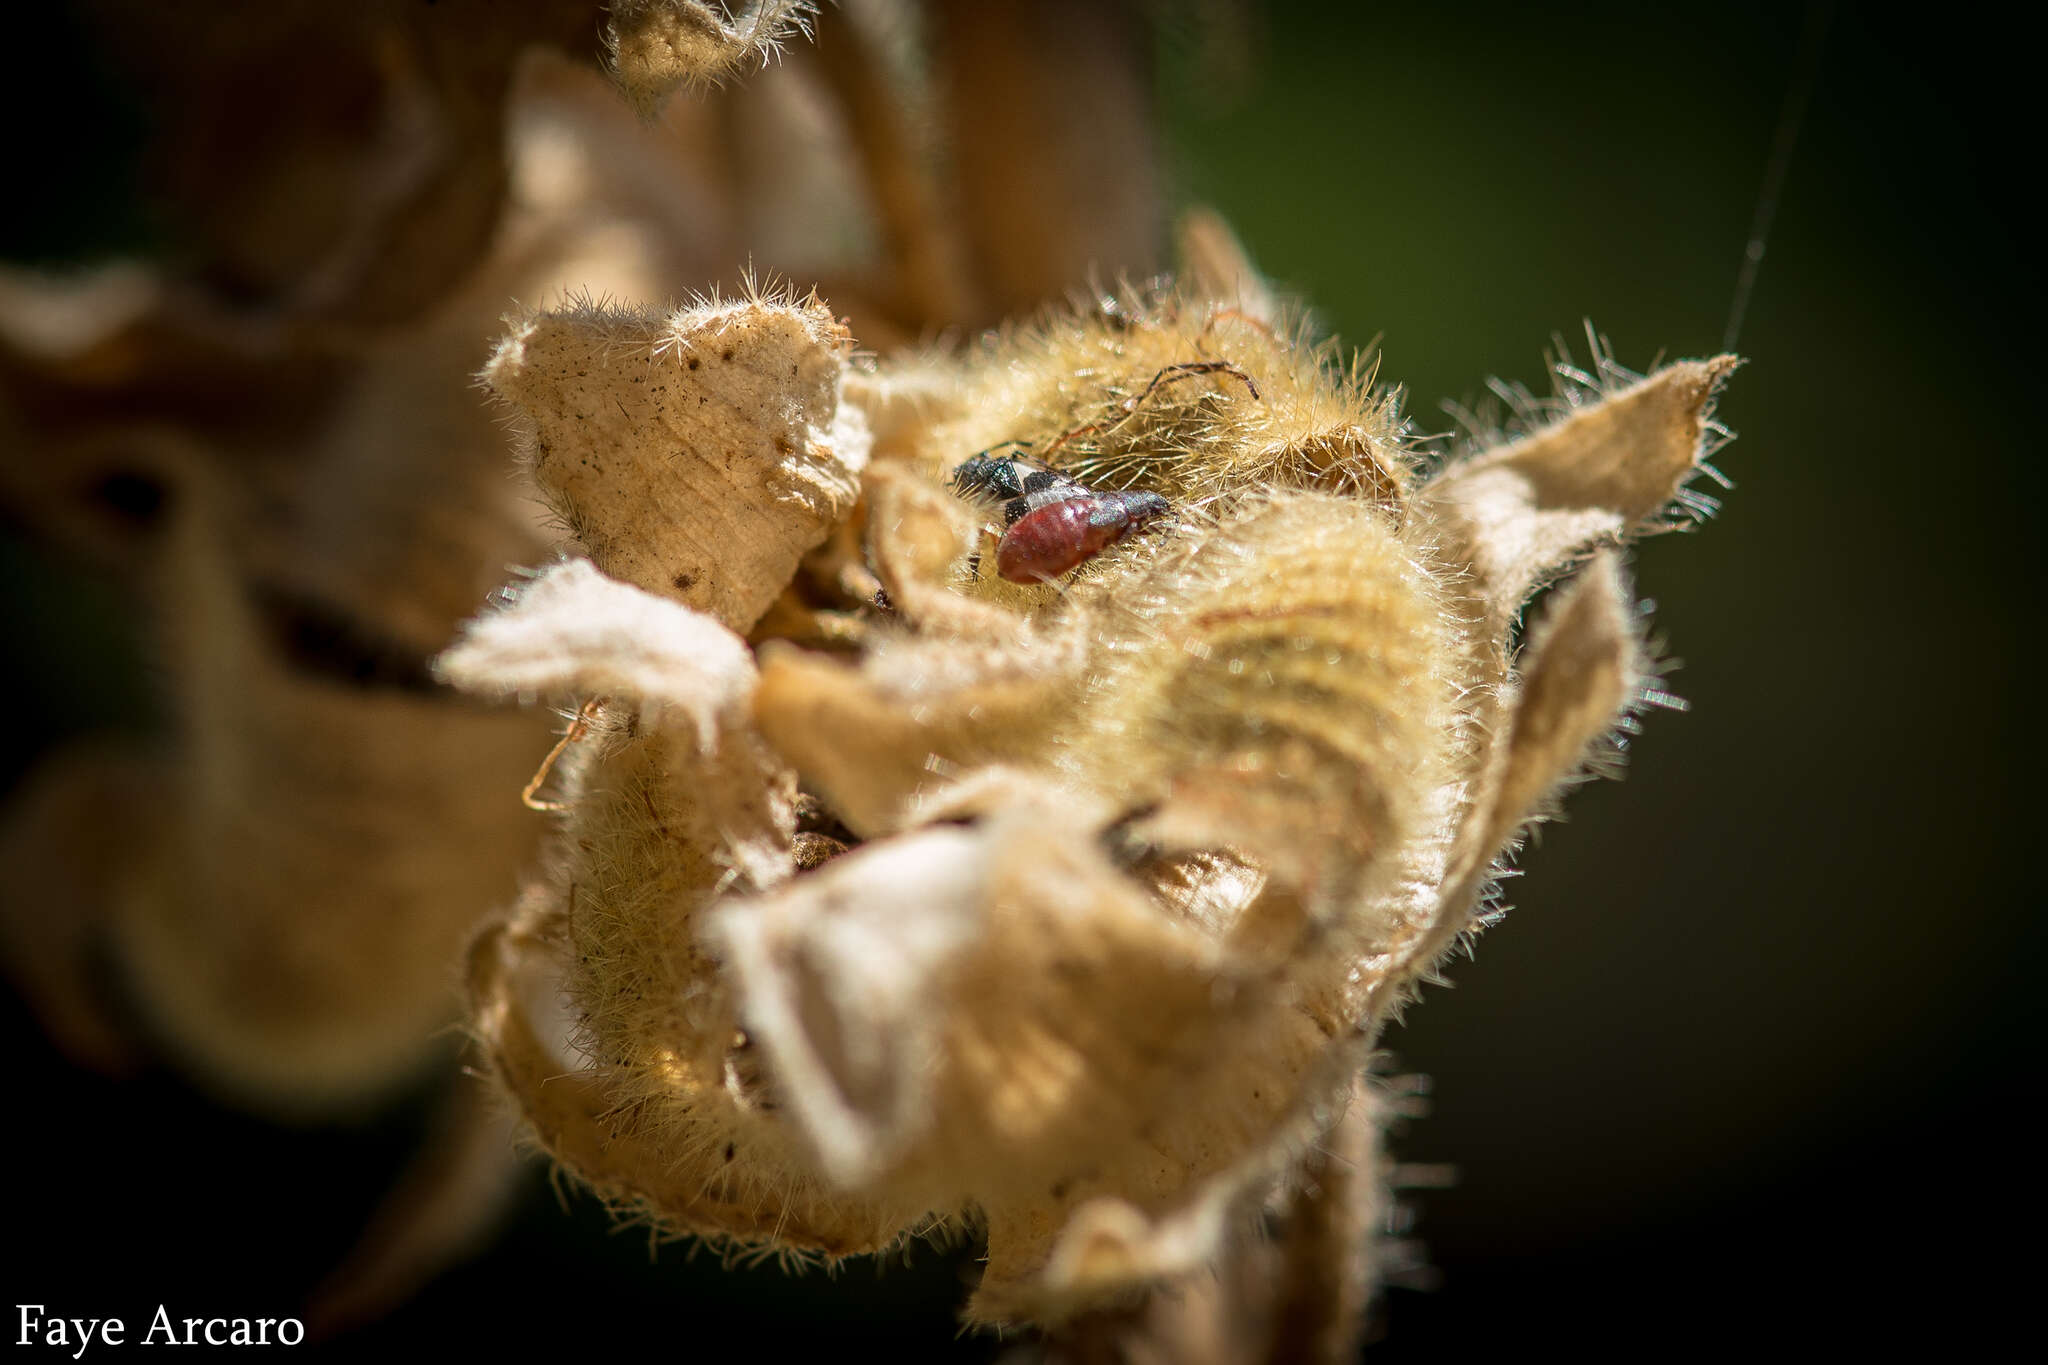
[{"x": 1053, "y": 539}]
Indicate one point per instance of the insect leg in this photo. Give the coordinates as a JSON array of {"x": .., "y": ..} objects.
[
  {"x": 1169, "y": 375},
  {"x": 1187, "y": 368},
  {"x": 1081, "y": 430}
]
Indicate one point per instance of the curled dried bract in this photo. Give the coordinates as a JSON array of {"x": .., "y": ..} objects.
[{"x": 698, "y": 454}]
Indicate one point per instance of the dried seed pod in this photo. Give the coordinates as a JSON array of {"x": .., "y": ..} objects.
[{"x": 1151, "y": 855}]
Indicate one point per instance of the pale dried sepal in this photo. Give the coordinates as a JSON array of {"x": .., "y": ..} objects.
[
  {"x": 998, "y": 1016},
  {"x": 1582, "y": 669},
  {"x": 834, "y": 975},
  {"x": 1510, "y": 519},
  {"x": 570, "y": 631},
  {"x": 856, "y": 748},
  {"x": 697, "y": 454},
  {"x": 902, "y": 401},
  {"x": 1518, "y": 515},
  {"x": 658, "y": 46}
]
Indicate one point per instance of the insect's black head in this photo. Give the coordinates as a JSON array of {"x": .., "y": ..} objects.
[
  {"x": 985, "y": 476},
  {"x": 993, "y": 476},
  {"x": 1143, "y": 507}
]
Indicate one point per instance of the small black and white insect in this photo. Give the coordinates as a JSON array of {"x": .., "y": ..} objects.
[{"x": 1052, "y": 522}]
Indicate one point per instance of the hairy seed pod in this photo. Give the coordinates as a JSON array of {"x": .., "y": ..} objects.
[
  {"x": 1278, "y": 682},
  {"x": 1150, "y": 853}
]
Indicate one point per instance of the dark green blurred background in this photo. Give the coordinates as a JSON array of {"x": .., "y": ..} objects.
[{"x": 1745, "y": 1066}]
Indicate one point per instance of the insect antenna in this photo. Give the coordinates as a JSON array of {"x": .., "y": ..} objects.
[{"x": 1000, "y": 445}]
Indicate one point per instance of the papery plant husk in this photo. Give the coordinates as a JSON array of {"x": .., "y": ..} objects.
[{"x": 1146, "y": 858}]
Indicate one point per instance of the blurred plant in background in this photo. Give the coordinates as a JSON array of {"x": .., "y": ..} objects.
[{"x": 275, "y": 444}]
